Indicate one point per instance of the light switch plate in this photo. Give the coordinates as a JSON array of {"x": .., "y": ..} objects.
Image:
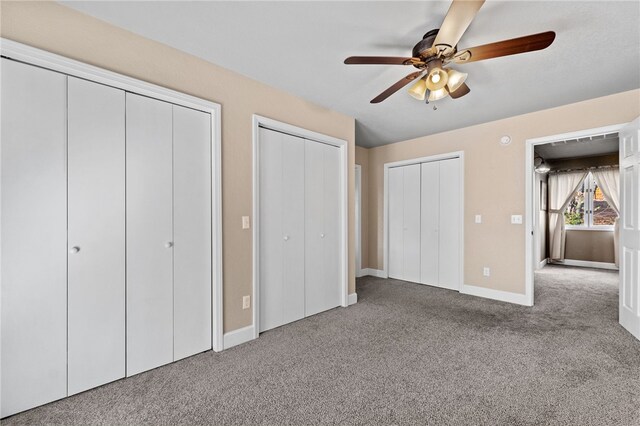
[
  {"x": 486, "y": 271},
  {"x": 246, "y": 302},
  {"x": 516, "y": 219},
  {"x": 245, "y": 222},
  {"x": 478, "y": 218}
]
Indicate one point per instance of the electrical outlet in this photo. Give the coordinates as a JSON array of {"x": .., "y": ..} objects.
[
  {"x": 486, "y": 271},
  {"x": 516, "y": 219},
  {"x": 478, "y": 218},
  {"x": 246, "y": 302},
  {"x": 245, "y": 222}
]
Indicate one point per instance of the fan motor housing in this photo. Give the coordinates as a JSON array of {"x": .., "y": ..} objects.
[{"x": 424, "y": 48}]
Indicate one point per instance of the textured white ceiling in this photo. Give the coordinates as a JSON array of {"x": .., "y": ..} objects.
[
  {"x": 583, "y": 147},
  {"x": 299, "y": 47}
]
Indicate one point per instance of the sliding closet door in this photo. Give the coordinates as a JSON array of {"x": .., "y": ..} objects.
[
  {"x": 96, "y": 174},
  {"x": 430, "y": 223},
  {"x": 322, "y": 214},
  {"x": 450, "y": 215},
  {"x": 192, "y": 231},
  {"x": 149, "y": 234},
  {"x": 34, "y": 237},
  {"x": 281, "y": 233},
  {"x": 404, "y": 223}
]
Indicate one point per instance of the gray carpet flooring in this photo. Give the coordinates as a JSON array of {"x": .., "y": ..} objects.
[{"x": 404, "y": 354}]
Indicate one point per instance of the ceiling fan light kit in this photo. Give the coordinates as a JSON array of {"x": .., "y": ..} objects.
[
  {"x": 456, "y": 79},
  {"x": 436, "y": 77},
  {"x": 419, "y": 89},
  {"x": 438, "y": 48},
  {"x": 436, "y": 95}
]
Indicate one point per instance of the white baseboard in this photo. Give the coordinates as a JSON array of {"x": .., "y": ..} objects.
[
  {"x": 353, "y": 299},
  {"x": 586, "y": 264},
  {"x": 542, "y": 263},
  {"x": 360, "y": 273},
  {"x": 374, "y": 273},
  {"x": 239, "y": 336},
  {"x": 503, "y": 296}
]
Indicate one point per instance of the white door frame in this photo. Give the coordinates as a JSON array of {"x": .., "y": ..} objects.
[
  {"x": 429, "y": 159},
  {"x": 268, "y": 123},
  {"x": 531, "y": 239},
  {"x": 358, "y": 242},
  {"x": 30, "y": 55}
]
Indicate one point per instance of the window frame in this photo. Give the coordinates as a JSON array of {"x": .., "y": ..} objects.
[{"x": 588, "y": 209}]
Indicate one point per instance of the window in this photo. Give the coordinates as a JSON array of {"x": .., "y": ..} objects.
[
  {"x": 588, "y": 209},
  {"x": 574, "y": 213}
]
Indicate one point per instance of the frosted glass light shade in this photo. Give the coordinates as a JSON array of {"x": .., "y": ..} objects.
[
  {"x": 418, "y": 89},
  {"x": 437, "y": 79},
  {"x": 456, "y": 79},
  {"x": 438, "y": 94}
]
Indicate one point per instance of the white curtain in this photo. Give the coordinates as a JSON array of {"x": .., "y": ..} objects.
[
  {"x": 609, "y": 182},
  {"x": 562, "y": 187}
]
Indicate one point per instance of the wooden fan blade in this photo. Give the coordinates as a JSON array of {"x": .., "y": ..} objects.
[
  {"x": 513, "y": 46},
  {"x": 458, "y": 19},
  {"x": 380, "y": 60},
  {"x": 397, "y": 86},
  {"x": 460, "y": 91}
]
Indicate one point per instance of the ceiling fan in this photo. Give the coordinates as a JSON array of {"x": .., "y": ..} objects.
[{"x": 438, "y": 48}]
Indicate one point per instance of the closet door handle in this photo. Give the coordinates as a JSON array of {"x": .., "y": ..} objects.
[
  {"x": 168, "y": 244},
  {"x": 321, "y": 235},
  {"x": 74, "y": 250},
  {"x": 286, "y": 238}
]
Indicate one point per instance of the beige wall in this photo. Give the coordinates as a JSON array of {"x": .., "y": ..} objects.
[
  {"x": 362, "y": 158},
  {"x": 494, "y": 181},
  {"x": 591, "y": 246},
  {"x": 58, "y": 29}
]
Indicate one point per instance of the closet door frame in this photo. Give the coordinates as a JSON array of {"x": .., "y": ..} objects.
[
  {"x": 429, "y": 159},
  {"x": 278, "y": 126},
  {"x": 30, "y": 55}
]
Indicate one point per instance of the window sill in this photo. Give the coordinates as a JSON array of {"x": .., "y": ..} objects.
[{"x": 585, "y": 228}]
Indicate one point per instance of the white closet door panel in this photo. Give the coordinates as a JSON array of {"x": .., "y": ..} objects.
[
  {"x": 192, "y": 231},
  {"x": 411, "y": 268},
  {"x": 430, "y": 222},
  {"x": 314, "y": 280},
  {"x": 270, "y": 262},
  {"x": 34, "y": 235},
  {"x": 331, "y": 233},
  {"x": 96, "y": 191},
  {"x": 282, "y": 230},
  {"x": 149, "y": 234},
  {"x": 322, "y": 227},
  {"x": 396, "y": 222},
  {"x": 293, "y": 176},
  {"x": 450, "y": 214}
]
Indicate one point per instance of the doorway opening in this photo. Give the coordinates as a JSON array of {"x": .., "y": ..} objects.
[
  {"x": 577, "y": 196},
  {"x": 574, "y": 212}
]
